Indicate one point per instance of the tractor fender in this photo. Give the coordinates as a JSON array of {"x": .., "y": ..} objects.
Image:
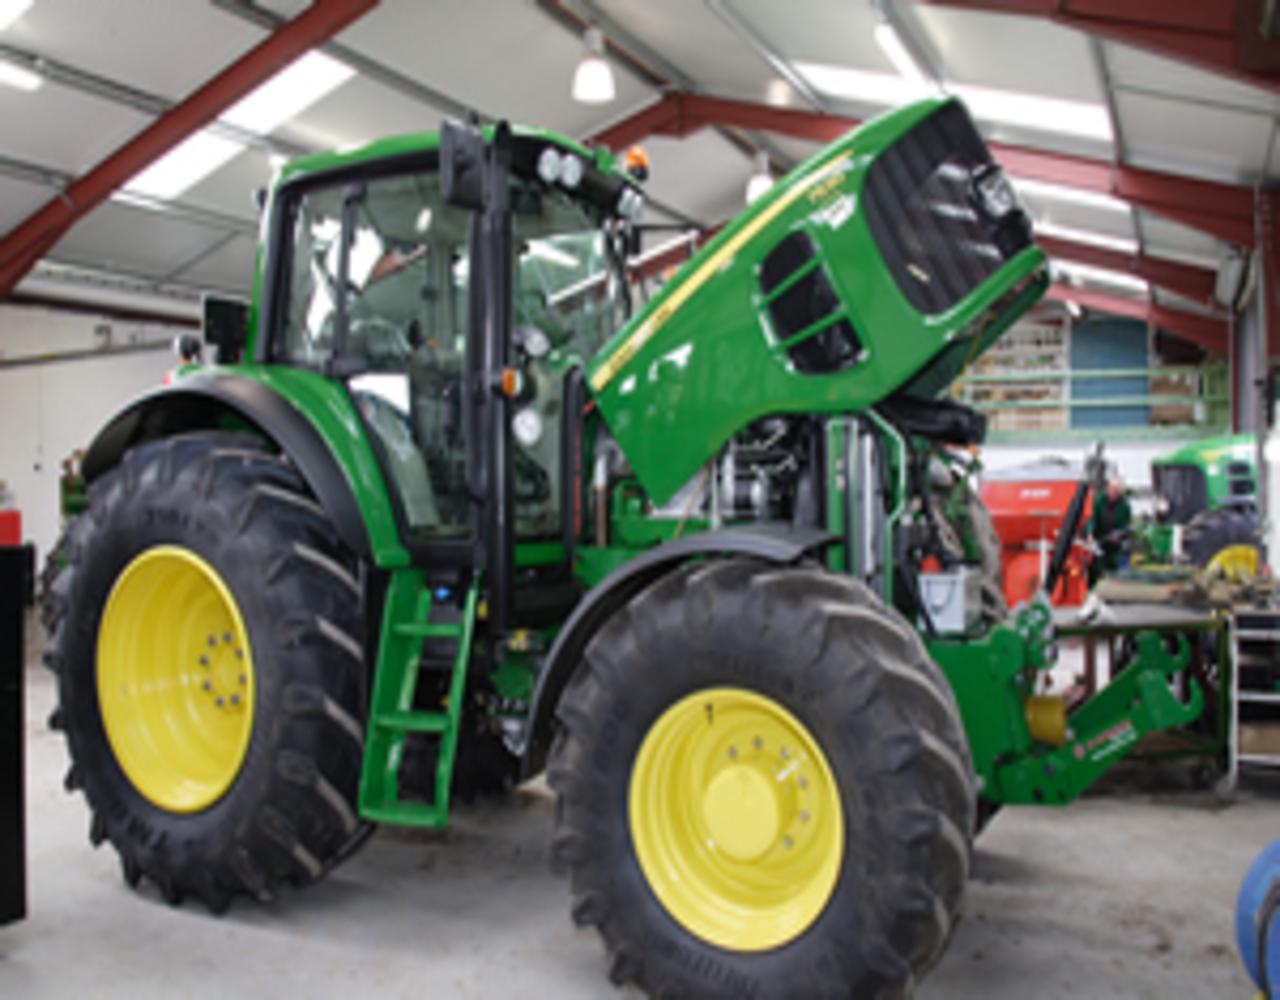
[
  {"x": 782, "y": 544},
  {"x": 200, "y": 401}
]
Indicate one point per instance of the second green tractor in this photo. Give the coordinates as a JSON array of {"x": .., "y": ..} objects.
[{"x": 1206, "y": 507}]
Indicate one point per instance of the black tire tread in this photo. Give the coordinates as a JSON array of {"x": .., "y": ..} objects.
[
  {"x": 917, "y": 792},
  {"x": 291, "y": 819},
  {"x": 1210, "y": 531}
]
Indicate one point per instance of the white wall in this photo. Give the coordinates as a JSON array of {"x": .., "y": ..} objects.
[
  {"x": 49, "y": 409},
  {"x": 1132, "y": 459}
]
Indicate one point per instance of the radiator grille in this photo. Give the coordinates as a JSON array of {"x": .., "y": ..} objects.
[{"x": 919, "y": 204}]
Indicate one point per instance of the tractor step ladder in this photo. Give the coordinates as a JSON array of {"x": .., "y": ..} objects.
[{"x": 406, "y": 626}]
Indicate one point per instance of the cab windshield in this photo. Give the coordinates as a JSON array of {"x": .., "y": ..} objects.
[{"x": 376, "y": 289}]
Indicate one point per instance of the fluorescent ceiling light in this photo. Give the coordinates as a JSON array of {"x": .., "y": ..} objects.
[
  {"x": 187, "y": 163},
  {"x": 12, "y": 75},
  {"x": 286, "y": 95},
  {"x": 1121, "y": 243},
  {"x": 890, "y": 43},
  {"x": 1047, "y": 114},
  {"x": 864, "y": 85},
  {"x": 11, "y": 10},
  {"x": 1101, "y": 276},
  {"x": 1078, "y": 196}
]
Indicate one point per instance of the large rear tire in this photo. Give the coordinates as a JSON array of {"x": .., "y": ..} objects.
[
  {"x": 211, "y": 671},
  {"x": 764, "y": 789}
]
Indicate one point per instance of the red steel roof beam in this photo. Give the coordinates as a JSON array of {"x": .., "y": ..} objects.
[
  {"x": 1221, "y": 36},
  {"x": 1206, "y": 331},
  {"x": 24, "y": 245},
  {"x": 662, "y": 117},
  {"x": 1195, "y": 283},
  {"x": 1116, "y": 305}
]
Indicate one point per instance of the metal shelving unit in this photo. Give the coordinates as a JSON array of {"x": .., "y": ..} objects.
[{"x": 1255, "y": 689}]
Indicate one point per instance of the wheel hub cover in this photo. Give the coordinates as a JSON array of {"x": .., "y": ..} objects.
[
  {"x": 741, "y": 811},
  {"x": 175, "y": 679},
  {"x": 736, "y": 819}
]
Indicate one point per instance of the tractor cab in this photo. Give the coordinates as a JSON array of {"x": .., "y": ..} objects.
[{"x": 456, "y": 290}]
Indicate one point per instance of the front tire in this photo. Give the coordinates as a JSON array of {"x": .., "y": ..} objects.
[
  {"x": 1225, "y": 539},
  {"x": 719, "y": 682},
  {"x": 210, "y": 671}
]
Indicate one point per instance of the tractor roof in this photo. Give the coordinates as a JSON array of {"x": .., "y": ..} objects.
[
  {"x": 394, "y": 147},
  {"x": 1211, "y": 449}
]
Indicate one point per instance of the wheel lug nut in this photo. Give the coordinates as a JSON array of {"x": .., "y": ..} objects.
[
  {"x": 226, "y": 637},
  {"x": 804, "y": 816},
  {"x": 803, "y": 782},
  {"x": 239, "y": 654},
  {"x": 235, "y": 700},
  {"x": 757, "y": 743},
  {"x": 213, "y": 640},
  {"x": 219, "y": 701},
  {"x": 204, "y": 661},
  {"x": 786, "y": 754},
  {"x": 733, "y": 753},
  {"x": 207, "y": 686},
  {"x": 243, "y": 679},
  {"x": 788, "y": 842}
]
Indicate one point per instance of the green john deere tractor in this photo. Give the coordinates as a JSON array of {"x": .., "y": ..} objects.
[
  {"x": 464, "y": 510},
  {"x": 1206, "y": 507}
]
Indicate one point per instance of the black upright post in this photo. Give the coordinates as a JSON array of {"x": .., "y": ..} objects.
[{"x": 13, "y": 867}]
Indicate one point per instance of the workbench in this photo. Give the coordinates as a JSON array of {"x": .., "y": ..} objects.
[{"x": 1208, "y": 632}]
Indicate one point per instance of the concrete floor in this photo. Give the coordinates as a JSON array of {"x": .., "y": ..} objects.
[{"x": 1127, "y": 897}]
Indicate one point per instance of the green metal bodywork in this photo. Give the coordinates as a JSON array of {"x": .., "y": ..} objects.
[
  {"x": 1212, "y": 456},
  {"x": 1209, "y": 459},
  {"x": 701, "y": 361},
  {"x": 696, "y": 365},
  {"x": 991, "y": 681},
  {"x": 392, "y": 713},
  {"x": 327, "y": 406}
]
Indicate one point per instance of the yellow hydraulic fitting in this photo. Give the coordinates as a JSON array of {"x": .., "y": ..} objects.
[{"x": 1047, "y": 719}]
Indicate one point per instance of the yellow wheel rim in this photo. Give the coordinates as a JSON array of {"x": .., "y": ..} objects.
[
  {"x": 175, "y": 679},
  {"x": 1235, "y": 562},
  {"x": 736, "y": 819}
]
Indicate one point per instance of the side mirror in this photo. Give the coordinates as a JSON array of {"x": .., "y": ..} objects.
[
  {"x": 462, "y": 150},
  {"x": 226, "y": 327}
]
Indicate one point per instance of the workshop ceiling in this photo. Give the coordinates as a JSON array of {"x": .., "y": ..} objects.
[{"x": 112, "y": 66}]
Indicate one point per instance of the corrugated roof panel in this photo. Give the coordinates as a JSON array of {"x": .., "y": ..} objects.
[{"x": 1181, "y": 137}]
